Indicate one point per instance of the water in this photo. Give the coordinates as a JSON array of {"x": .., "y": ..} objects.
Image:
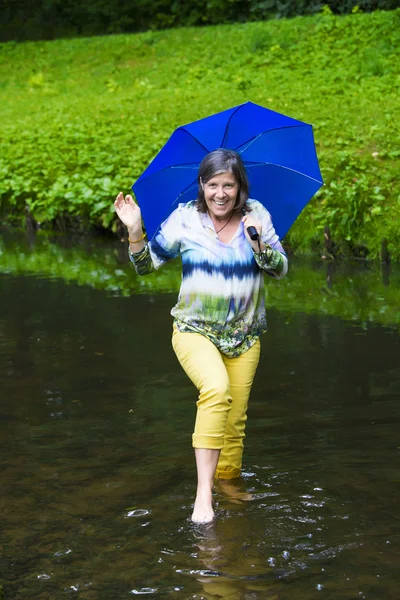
[{"x": 98, "y": 477}]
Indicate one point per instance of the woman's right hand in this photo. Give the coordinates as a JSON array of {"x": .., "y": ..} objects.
[{"x": 129, "y": 213}]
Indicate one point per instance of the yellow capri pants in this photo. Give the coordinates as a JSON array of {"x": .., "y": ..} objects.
[{"x": 224, "y": 386}]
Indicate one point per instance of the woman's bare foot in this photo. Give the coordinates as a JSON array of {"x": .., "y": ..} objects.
[{"x": 203, "y": 511}]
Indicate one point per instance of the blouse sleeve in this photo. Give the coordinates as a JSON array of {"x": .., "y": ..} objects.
[
  {"x": 163, "y": 247},
  {"x": 273, "y": 259}
]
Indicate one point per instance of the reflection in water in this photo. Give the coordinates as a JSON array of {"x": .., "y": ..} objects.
[
  {"x": 323, "y": 287},
  {"x": 98, "y": 475},
  {"x": 232, "y": 567}
]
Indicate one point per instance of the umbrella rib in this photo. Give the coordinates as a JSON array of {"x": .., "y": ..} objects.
[
  {"x": 185, "y": 190},
  {"x": 228, "y": 123},
  {"x": 192, "y": 136},
  {"x": 262, "y": 164},
  {"x": 181, "y": 166},
  {"x": 246, "y": 163},
  {"x": 254, "y": 139}
]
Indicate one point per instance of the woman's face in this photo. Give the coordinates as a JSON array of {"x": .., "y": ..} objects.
[{"x": 220, "y": 194}]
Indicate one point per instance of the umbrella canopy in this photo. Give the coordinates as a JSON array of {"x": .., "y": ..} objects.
[{"x": 278, "y": 153}]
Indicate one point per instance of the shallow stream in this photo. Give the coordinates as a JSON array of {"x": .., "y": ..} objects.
[{"x": 98, "y": 477}]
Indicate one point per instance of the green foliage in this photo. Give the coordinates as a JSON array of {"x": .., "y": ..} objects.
[{"x": 82, "y": 118}]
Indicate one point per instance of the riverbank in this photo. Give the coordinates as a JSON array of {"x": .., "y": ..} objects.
[
  {"x": 82, "y": 118},
  {"x": 361, "y": 291}
]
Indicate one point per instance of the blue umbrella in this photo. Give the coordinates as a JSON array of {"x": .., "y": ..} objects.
[{"x": 278, "y": 153}]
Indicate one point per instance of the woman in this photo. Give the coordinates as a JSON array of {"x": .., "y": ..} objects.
[{"x": 220, "y": 311}]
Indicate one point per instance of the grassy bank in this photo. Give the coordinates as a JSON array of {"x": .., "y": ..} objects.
[{"x": 82, "y": 118}]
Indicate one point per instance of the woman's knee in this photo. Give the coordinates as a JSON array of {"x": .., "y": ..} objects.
[{"x": 215, "y": 392}]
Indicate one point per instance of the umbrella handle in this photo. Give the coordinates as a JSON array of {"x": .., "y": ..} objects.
[{"x": 252, "y": 231}]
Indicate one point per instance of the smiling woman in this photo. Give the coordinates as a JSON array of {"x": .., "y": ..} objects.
[
  {"x": 220, "y": 311},
  {"x": 220, "y": 197},
  {"x": 219, "y": 193}
]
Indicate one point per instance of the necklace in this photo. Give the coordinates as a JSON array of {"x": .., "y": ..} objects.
[{"x": 223, "y": 227}]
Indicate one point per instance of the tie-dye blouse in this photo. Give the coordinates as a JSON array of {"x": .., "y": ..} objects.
[{"x": 222, "y": 289}]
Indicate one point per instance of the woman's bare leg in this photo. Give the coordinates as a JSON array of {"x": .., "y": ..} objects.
[{"x": 206, "y": 461}]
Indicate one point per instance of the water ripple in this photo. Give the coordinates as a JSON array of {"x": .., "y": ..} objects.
[{"x": 137, "y": 512}]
